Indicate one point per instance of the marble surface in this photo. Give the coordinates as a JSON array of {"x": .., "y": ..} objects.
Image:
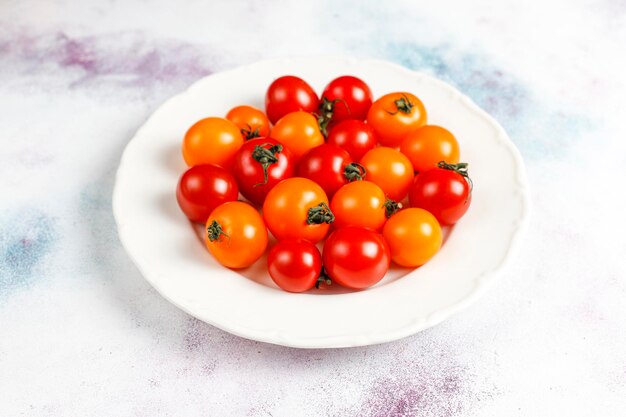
[{"x": 81, "y": 332}]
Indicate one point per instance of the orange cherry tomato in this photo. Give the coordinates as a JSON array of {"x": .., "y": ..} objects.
[
  {"x": 251, "y": 121},
  {"x": 428, "y": 145},
  {"x": 390, "y": 170},
  {"x": 299, "y": 132},
  {"x": 394, "y": 116},
  {"x": 235, "y": 234},
  {"x": 414, "y": 236},
  {"x": 361, "y": 204},
  {"x": 213, "y": 140},
  {"x": 297, "y": 208}
]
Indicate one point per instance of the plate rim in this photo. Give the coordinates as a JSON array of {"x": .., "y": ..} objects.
[{"x": 484, "y": 281}]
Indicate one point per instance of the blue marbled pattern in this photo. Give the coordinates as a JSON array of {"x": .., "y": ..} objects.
[
  {"x": 26, "y": 237},
  {"x": 537, "y": 126}
]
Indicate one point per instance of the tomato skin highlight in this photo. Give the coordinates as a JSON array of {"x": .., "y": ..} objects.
[
  {"x": 444, "y": 193},
  {"x": 352, "y": 98},
  {"x": 213, "y": 140},
  {"x": 250, "y": 121},
  {"x": 360, "y": 204},
  {"x": 288, "y": 94},
  {"x": 294, "y": 264},
  {"x": 414, "y": 237},
  {"x": 299, "y": 132},
  {"x": 428, "y": 145},
  {"x": 249, "y": 172},
  {"x": 393, "y": 122},
  {"x": 243, "y": 238},
  {"x": 202, "y": 188},
  {"x": 355, "y": 136},
  {"x": 325, "y": 164},
  {"x": 356, "y": 258},
  {"x": 390, "y": 170},
  {"x": 288, "y": 206}
]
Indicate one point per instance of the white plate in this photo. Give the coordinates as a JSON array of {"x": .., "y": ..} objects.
[{"x": 165, "y": 248}]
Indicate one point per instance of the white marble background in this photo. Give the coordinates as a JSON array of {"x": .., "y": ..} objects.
[{"x": 81, "y": 332}]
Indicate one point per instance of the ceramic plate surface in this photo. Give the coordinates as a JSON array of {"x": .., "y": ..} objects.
[{"x": 171, "y": 256}]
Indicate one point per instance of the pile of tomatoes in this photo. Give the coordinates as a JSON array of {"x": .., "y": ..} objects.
[{"x": 338, "y": 168}]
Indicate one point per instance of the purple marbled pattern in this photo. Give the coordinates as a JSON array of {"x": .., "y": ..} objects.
[
  {"x": 444, "y": 391},
  {"x": 125, "y": 59}
]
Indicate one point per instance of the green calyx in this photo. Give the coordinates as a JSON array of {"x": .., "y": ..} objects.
[
  {"x": 323, "y": 279},
  {"x": 461, "y": 168},
  {"x": 403, "y": 105},
  {"x": 214, "y": 231},
  {"x": 391, "y": 207},
  {"x": 266, "y": 157},
  {"x": 320, "y": 214},
  {"x": 326, "y": 112},
  {"x": 249, "y": 133},
  {"x": 354, "y": 172}
]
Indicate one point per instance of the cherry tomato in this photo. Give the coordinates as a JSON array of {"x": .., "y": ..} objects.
[
  {"x": 428, "y": 145},
  {"x": 394, "y": 116},
  {"x": 361, "y": 204},
  {"x": 259, "y": 165},
  {"x": 235, "y": 234},
  {"x": 344, "y": 98},
  {"x": 297, "y": 208},
  {"x": 212, "y": 141},
  {"x": 288, "y": 94},
  {"x": 330, "y": 167},
  {"x": 294, "y": 264},
  {"x": 445, "y": 191},
  {"x": 354, "y": 136},
  {"x": 355, "y": 257},
  {"x": 414, "y": 236},
  {"x": 252, "y": 122},
  {"x": 390, "y": 170},
  {"x": 202, "y": 188},
  {"x": 299, "y": 132}
]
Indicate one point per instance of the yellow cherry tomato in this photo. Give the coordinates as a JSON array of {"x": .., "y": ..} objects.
[
  {"x": 213, "y": 140},
  {"x": 251, "y": 121},
  {"x": 414, "y": 236},
  {"x": 299, "y": 132},
  {"x": 390, "y": 170},
  {"x": 428, "y": 145},
  {"x": 394, "y": 116},
  {"x": 236, "y": 234}
]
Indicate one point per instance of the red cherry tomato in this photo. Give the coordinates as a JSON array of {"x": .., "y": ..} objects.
[
  {"x": 202, "y": 188},
  {"x": 294, "y": 264},
  {"x": 355, "y": 257},
  {"x": 288, "y": 94},
  {"x": 259, "y": 165},
  {"x": 444, "y": 191},
  {"x": 329, "y": 166},
  {"x": 344, "y": 98},
  {"x": 354, "y": 136}
]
